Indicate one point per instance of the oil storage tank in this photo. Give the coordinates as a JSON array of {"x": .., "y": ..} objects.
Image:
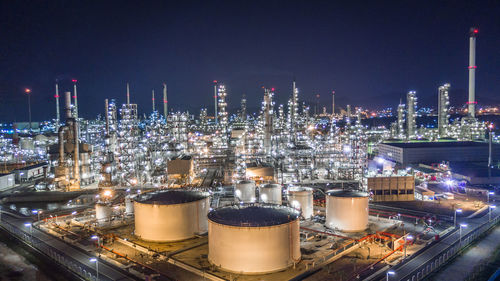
[
  {"x": 129, "y": 205},
  {"x": 270, "y": 193},
  {"x": 171, "y": 215},
  {"x": 245, "y": 191},
  {"x": 251, "y": 239},
  {"x": 103, "y": 213},
  {"x": 301, "y": 198},
  {"x": 347, "y": 210}
]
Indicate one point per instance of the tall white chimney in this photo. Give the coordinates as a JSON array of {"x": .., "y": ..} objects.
[{"x": 472, "y": 72}]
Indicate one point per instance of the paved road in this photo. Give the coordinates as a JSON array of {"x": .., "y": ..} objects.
[
  {"x": 465, "y": 263},
  {"x": 406, "y": 269},
  {"x": 106, "y": 272}
]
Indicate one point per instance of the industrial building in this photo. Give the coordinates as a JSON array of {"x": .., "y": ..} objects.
[
  {"x": 392, "y": 188},
  {"x": 475, "y": 174},
  {"x": 181, "y": 169},
  {"x": 253, "y": 239},
  {"x": 405, "y": 153},
  {"x": 31, "y": 172},
  {"x": 7, "y": 181}
]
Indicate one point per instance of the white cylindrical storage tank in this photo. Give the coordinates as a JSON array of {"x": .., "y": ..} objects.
[
  {"x": 254, "y": 239},
  {"x": 347, "y": 210},
  {"x": 270, "y": 193},
  {"x": 129, "y": 205},
  {"x": 103, "y": 212},
  {"x": 301, "y": 198},
  {"x": 245, "y": 191},
  {"x": 171, "y": 215}
]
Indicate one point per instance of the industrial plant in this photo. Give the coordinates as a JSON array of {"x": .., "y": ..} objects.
[{"x": 287, "y": 193}]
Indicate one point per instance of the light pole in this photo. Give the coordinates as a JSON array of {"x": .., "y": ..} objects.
[
  {"x": 455, "y": 217},
  {"x": 490, "y": 193},
  {"x": 462, "y": 225},
  {"x": 490, "y": 137},
  {"x": 96, "y": 267},
  {"x": 31, "y": 231},
  {"x": 37, "y": 212},
  {"x": 390, "y": 272},
  {"x": 489, "y": 211},
  {"x": 28, "y": 92},
  {"x": 408, "y": 238},
  {"x": 95, "y": 237}
]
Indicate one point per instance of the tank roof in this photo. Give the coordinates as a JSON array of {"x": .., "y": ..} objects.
[
  {"x": 245, "y": 181},
  {"x": 271, "y": 185},
  {"x": 299, "y": 188},
  {"x": 253, "y": 215},
  {"x": 171, "y": 197},
  {"x": 346, "y": 193}
]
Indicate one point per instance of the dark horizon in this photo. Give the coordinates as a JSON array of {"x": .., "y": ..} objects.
[{"x": 370, "y": 54}]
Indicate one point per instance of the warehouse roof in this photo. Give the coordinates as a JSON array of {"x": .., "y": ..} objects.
[
  {"x": 438, "y": 144},
  {"x": 171, "y": 197},
  {"x": 253, "y": 215}
]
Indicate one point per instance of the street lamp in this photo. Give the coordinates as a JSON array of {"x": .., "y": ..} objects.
[
  {"x": 390, "y": 272},
  {"x": 408, "y": 238},
  {"x": 28, "y": 92},
  {"x": 96, "y": 267},
  {"x": 462, "y": 225},
  {"x": 490, "y": 193},
  {"x": 37, "y": 212},
  {"x": 455, "y": 216},
  {"x": 31, "y": 231},
  {"x": 489, "y": 211},
  {"x": 95, "y": 237}
]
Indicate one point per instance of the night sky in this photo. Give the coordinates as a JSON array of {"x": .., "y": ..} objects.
[{"x": 370, "y": 54}]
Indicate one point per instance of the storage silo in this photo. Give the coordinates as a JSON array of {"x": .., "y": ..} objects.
[
  {"x": 301, "y": 198},
  {"x": 245, "y": 191},
  {"x": 347, "y": 210},
  {"x": 103, "y": 212},
  {"x": 270, "y": 193},
  {"x": 171, "y": 215},
  {"x": 254, "y": 239},
  {"x": 129, "y": 205}
]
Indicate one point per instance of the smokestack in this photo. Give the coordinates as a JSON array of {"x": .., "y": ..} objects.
[
  {"x": 333, "y": 103},
  {"x": 76, "y": 153},
  {"x": 215, "y": 101},
  {"x": 165, "y": 102},
  {"x": 472, "y": 72},
  {"x": 106, "y": 113},
  {"x": 75, "y": 97},
  {"x": 153, "y": 99},
  {"x": 58, "y": 120},
  {"x": 128, "y": 94},
  {"x": 68, "y": 104}
]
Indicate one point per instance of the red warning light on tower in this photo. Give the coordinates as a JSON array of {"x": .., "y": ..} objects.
[{"x": 74, "y": 80}]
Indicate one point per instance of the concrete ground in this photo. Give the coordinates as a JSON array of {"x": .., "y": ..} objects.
[{"x": 460, "y": 267}]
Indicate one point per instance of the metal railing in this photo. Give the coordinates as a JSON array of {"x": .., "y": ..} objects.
[
  {"x": 447, "y": 253},
  {"x": 76, "y": 267}
]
